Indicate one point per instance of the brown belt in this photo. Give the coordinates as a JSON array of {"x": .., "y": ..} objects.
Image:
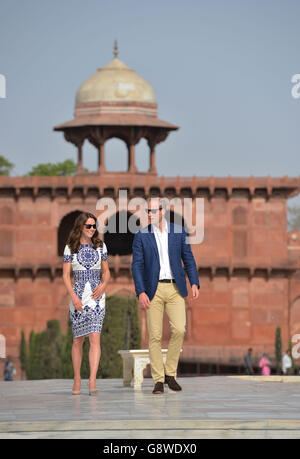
[{"x": 169, "y": 281}]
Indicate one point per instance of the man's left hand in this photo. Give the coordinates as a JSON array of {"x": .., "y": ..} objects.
[{"x": 195, "y": 291}]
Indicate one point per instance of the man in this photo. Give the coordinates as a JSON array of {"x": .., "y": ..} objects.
[
  {"x": 248, "y": 363},
  {"x": 160, "y": 284},
  {"x": 287, "y": 363}
]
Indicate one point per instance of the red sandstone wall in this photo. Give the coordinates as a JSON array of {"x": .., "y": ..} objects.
[{"x": 236, "y": 309}]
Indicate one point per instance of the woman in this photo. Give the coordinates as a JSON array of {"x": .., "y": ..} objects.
[
  {"x": 87, "y": 255},
  {"x": 264, "y": 364}
]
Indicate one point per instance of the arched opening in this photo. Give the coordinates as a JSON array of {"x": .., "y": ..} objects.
[
  {"x": 89, "y": 157},
  {"x": 121, "y": 230},
  {"x": 64, "y": 229},
  {"x": 142, "y": 156},
  {"x": 116, "y": 155}
]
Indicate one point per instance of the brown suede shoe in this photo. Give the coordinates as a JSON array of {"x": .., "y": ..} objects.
[
  {"x": 172, "y": 383},
  {"x": 158, "y": 388}
]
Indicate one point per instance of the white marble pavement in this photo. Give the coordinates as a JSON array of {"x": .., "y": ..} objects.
[{"x": 208, "y": 407}]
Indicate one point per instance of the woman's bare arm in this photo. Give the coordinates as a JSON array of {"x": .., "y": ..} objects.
[
  {"x": 67, "y": 281},
  {"x": 67, "y": 277},
  {"x": 105, "y": 273}
]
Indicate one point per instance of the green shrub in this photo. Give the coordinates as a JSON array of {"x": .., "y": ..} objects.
[
  {"x": 23, "y": 353},
  {"x": 120, "y": 331},
  {"x": 53, "y": 340},
  {"x": 66, "y": 354}
]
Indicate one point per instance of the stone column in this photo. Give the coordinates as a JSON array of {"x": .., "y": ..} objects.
[
  {"x": 79, "y": 158},
  {"x": 154, "y": 137},
  {"x": 96, "y": 136},
  {"x": 152, "y": 169},
  {"x": 77, "y": 138},
  {"x": 101, "y": 164},
  {"x": 131, "y": 158}
]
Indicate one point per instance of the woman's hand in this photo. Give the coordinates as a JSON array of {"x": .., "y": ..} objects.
[
  {"x": 105, "y": 276},
  {"x": 77, "y": 303},
  {"x": 98, "y": 291}
]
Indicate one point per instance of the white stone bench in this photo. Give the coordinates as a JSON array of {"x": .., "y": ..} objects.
[{"x": 134, "y": 363}]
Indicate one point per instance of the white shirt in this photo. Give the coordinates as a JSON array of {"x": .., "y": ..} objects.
[
  {"x": 286, "y": 362},
  {"x": 161, "y": 238}
]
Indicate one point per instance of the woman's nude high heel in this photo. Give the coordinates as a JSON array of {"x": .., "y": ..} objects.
[
  {"x": 75, "y": 392},
  {"x": 92, "y": 391}
]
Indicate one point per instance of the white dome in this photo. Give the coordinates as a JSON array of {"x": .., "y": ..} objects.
[{"x": 115, "y": 83}]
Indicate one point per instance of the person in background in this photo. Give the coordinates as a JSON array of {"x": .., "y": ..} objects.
[
  {"x": 9, "y": 370},
  {"x": 287, "y": 363},
  {"x": 264, "y": 364},
  {"x": 248, "y": 363}
]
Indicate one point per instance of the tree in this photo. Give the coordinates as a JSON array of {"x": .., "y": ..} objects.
[
  {"x": 53, "y": 338},
  {"x": 278, "y": 349},
  {"x": 44, "y": 353},
  {"x": 5, "y": 166},
  {"x": 67, "y": 167},
  {"x": 23, "y": 354},
  {"x": 36, "y": 352},
  {"x": 293, "y": 216}
]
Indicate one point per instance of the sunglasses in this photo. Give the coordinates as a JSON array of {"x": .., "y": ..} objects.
[
  {"x": 153, "y": 211},
  {"x": 88, "y": 226}
]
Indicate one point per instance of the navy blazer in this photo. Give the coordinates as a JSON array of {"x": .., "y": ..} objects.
[{"x": 145, "y": 261}]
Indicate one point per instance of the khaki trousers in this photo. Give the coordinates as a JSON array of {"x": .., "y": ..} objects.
[{"x": 166, "y": 296}]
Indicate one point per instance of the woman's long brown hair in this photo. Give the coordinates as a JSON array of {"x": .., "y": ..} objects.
[{"x": 73, "y": 240}]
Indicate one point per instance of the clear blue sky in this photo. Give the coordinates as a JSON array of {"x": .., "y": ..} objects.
[{"x": 221, "y": 70}]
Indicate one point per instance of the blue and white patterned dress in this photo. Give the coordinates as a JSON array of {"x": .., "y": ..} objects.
[{"x": 86, "y": 266}]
